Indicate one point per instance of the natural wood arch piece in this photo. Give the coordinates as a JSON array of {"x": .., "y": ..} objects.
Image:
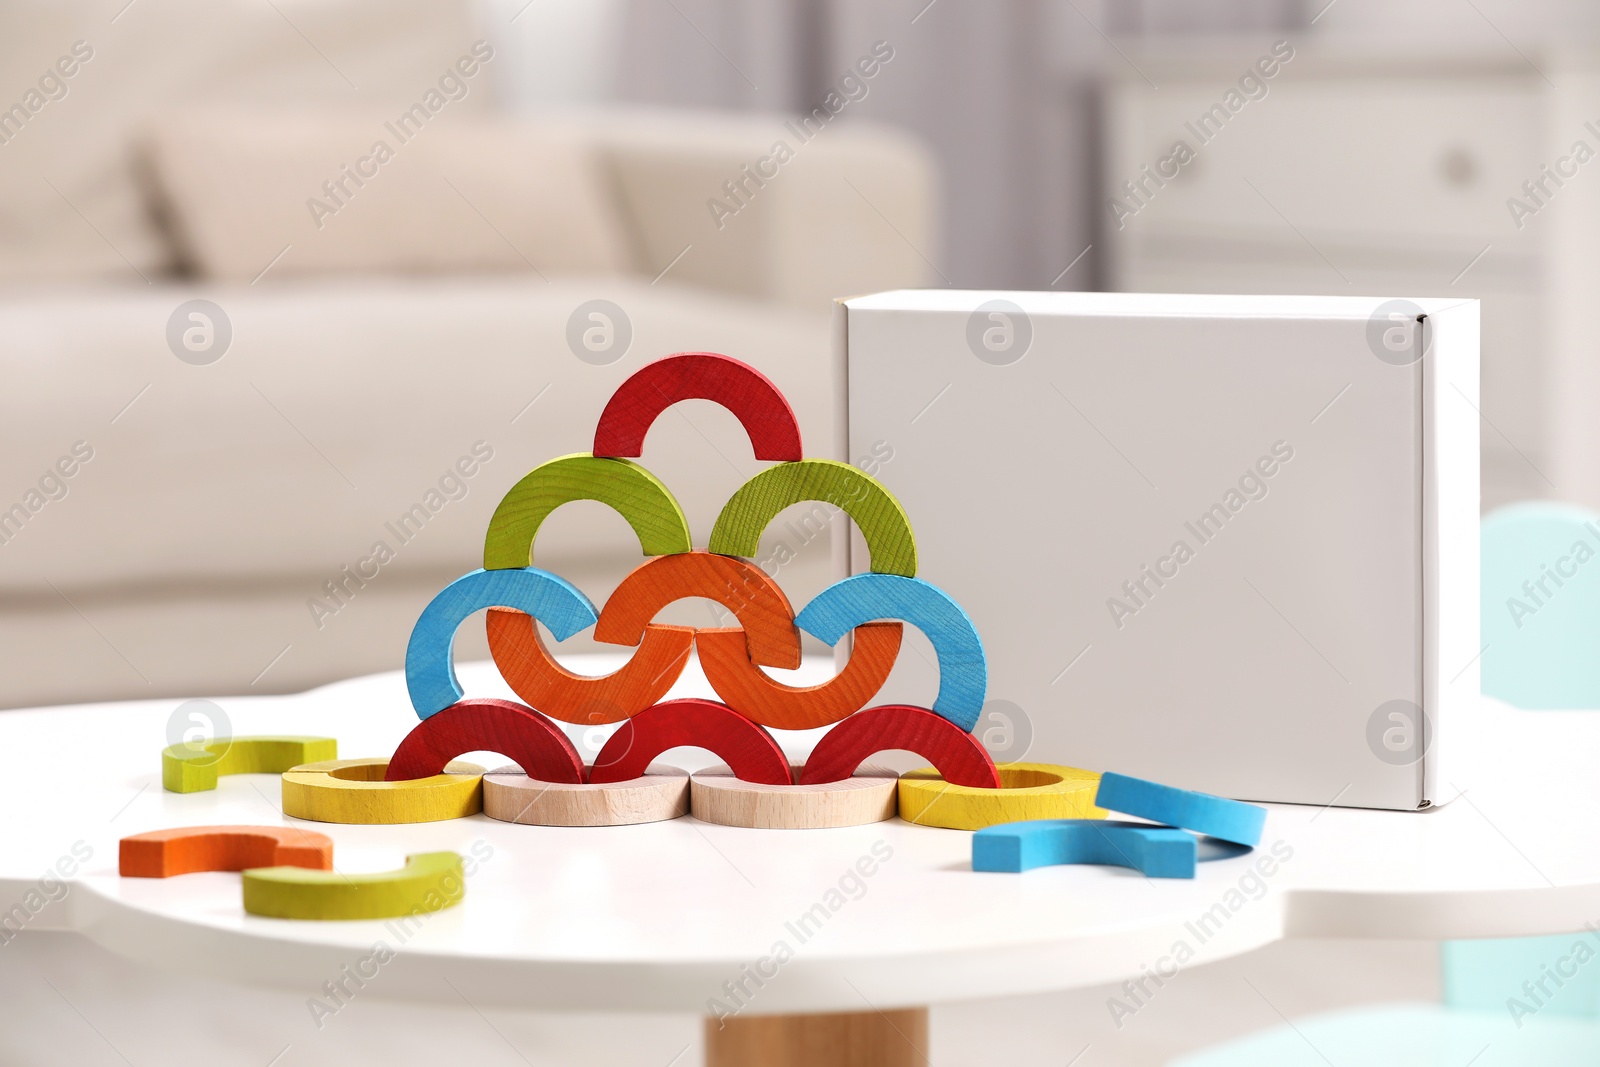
[
  {"x": 955, "y": 753},
  {"x": 867, "y": 796},
  {"x": 430, "y": 881},
  {"x": 187, "y": 849},
  {"x": 430, "y": 654},
  {"x": 354, "y": 791},
  {"x": 738, "y": 742},
  {"x": 633, "y": 492},
  {"x": 1028, "y": 791},
  {"x": 534, "y": 674},
  {"x": 878, "y": 515},
  {"x": 484, "y": 724},
  {"x": 189, "y": 768},
  {"x": 743, "y": 588},
  {"x": 661, "y": 793},
  {"x": 750, "y": 692},
  {"x": 750, "y": 395},
  {"x": 963, "y": 667}
]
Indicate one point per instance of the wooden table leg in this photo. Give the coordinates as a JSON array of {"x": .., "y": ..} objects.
[{"x": 845, "y": 1039}]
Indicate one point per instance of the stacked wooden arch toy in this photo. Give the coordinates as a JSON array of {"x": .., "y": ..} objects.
[{"x": 1040, "y": 813}]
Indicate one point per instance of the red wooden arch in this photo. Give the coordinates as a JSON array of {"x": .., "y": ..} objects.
[
  {"x": 737, "y": 386},
  {"x": 746, "y": 748},
  {"x": 954, "y": 753},
  {"x": 483, "y": 724}
]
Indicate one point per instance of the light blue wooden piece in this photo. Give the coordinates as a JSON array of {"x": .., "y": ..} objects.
[
  {"x": 1155, "y": 851},
  {"x": 963, "y": 669},
  {"x": 1540, "y": 591},
  {"x": 430, "y": 655},
  {"x": 1230, "y": 820}
]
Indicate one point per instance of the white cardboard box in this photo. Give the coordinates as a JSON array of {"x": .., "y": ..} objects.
[{"x": 1055, "y": 450}]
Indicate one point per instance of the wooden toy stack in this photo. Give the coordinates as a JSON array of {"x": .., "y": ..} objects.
[{"x": 1028, "y": 814}]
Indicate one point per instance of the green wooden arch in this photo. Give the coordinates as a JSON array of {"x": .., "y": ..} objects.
[
  {"x": 635, "y": 493},
  {"x": 876, "y": 512}
]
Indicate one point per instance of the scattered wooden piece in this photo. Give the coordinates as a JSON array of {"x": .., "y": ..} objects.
[
  {"x": 1230, "y": 820},
  {"x": 756, "y": 696},
  {"x": 534, "y": 674},
  {"x": 743, "y": 588},
  {"x": 750, "y": 395},
  {"x": 354, "y": 791},
  {"x": 954, "y": 752},
  {"x": 1028, "y": 791},
  {"x": 740, "y": 743},
  {"x": 1155, "y": 851},
  {"x": 661, "y": 793},
  {"x": 194, "y": 768},
  {"x": 893, "y": 1038},
  {"x": 430, "y": 881},
  {"x": 868, "y": 796},
  {"x": 430, "y": 654},
  {"x": 484, "y": 724},
  {"x": 963, "y": 668},
  {"x": 635, "y": 494},
  {"x": 186, "y": 849},
  {"x": 878, "y": 515}
]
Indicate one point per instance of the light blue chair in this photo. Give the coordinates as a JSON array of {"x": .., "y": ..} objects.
[{"x": 1511, "y": 1001}]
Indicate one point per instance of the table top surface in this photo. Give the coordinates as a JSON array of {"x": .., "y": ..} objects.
[{"x": 689, "y": 916}]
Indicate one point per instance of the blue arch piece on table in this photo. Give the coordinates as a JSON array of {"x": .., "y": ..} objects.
[
  {"x": 1156, "y": 851},
  {"x": 430, "y": 654},
  {"x": 963, "y": 668},
  {"x": 1230, "y": 820}
]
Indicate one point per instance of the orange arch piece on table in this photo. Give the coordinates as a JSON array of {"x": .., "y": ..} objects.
[
  {"x": 534, "y": 675},
  {"x": 187, "y": 849},
  {"x": 750, "y": 395},
  {"x": 745, "y": 689},
  {"x": 743, "y": 588}
]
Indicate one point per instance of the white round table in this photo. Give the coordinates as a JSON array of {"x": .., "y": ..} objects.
[{"x": 684, "y": 916}]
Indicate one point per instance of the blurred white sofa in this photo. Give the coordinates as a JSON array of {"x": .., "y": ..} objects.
[{"x": 386, "y": 390}]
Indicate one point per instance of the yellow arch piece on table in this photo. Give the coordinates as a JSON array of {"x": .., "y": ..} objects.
[
  {"x": 625, "y": 486},
  {"x": 1028, "y": 791},
  {"x": 353, "y": 791},
  {"x": 878, "y": 515},
  {"x": 193, "y": 768},
  {"x": 430, "y": 881}
]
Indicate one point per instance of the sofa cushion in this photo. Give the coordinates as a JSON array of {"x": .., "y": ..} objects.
[
  {"x": 70, "y": 207},
  {"x": 418, "y": 190}
]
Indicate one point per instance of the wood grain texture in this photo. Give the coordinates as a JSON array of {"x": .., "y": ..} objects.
[
  {"x": 193, "y": 768},
  {"x": 1154, "y": 851},
  {"x": 630, "y": 490},
  {"x": 430, "y": 653},
  {"x": 186, "y": 849},
  {"x": 1028, "y": 791},
  {"x": 430, "y": 881},
  {"x": 963, "y": 667},
  {"x": 877, "y": 514},
  {"x": 661, "y": 793},
  {"x": 354, "y": 791},
  {"x": 850, "y": 1039},
  {"x": 717, "y": 728},
  {"x": 534, "y": 674},
  {"x": 750, "y": 395},
  {"x": 745, "y": 688},
  {"x": 956, "y": 754},
  {"x": 743, "y": 588},
  {"x": 1219, "y": 817},
  {"x": 715, "y": 795},
  {"x": 485, "y": 724}
]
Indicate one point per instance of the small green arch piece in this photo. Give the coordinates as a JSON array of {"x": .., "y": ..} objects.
[
  {"x": 876, "y": 512},
  {"x": 429, "y": 881},
  {"x": 625, "y": 486},
  {"x": 194, "y": 768}
]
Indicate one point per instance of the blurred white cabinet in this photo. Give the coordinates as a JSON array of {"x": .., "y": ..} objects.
[{"x": 1373, "y": 179}]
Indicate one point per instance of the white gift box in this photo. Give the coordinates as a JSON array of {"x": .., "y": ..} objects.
[{"x": 1229, "y": 543}]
